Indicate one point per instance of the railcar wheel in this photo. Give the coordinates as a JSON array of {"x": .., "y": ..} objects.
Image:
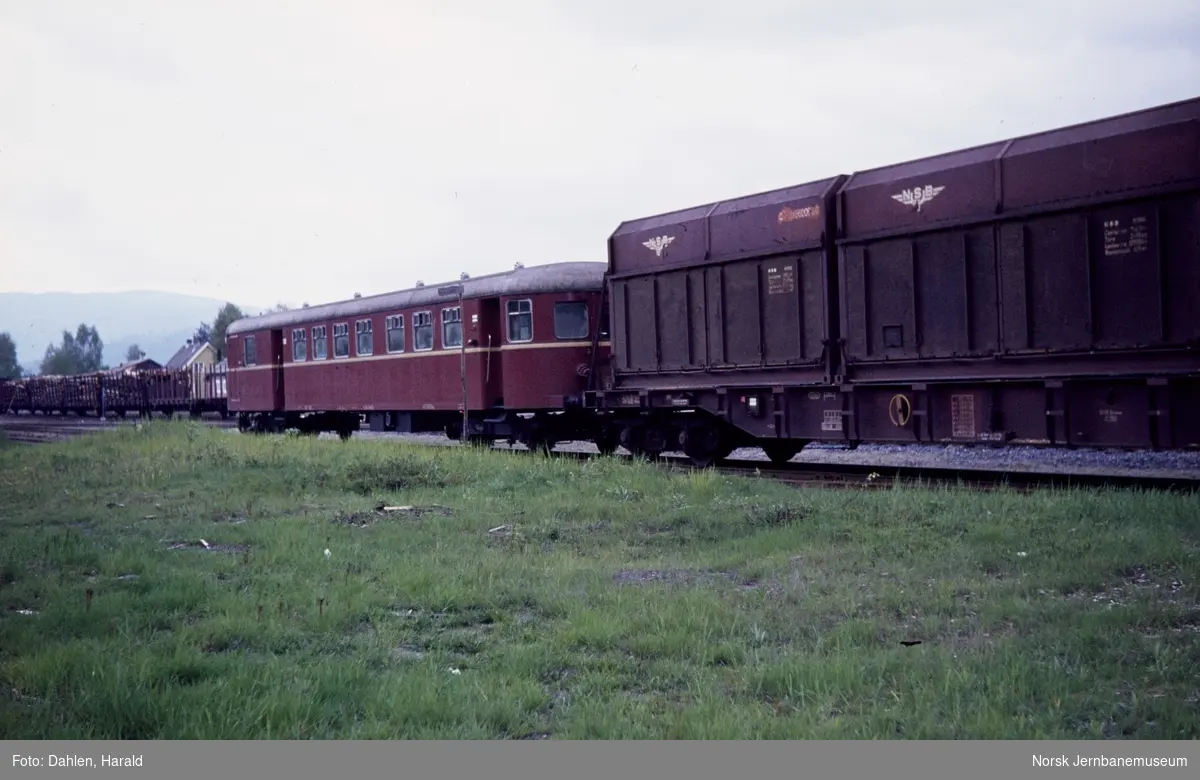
[
  {"x": 704, "y": 444},
  {"x": 607, "y": 443},
  {"x": 780, "y": 451}
]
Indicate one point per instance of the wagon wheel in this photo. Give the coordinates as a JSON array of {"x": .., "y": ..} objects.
[
  {"x": 345, "y": 434},
  {"x": 607, "y": 442},
  {"x": 704, "y": 445},
  {"x": 541, "y": 445},
  {"x": 781, "y": 451}
]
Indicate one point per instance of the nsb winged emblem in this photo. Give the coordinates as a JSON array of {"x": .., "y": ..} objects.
[
  {"x": 918, "y": 196},
  {"x": 658, "y": 244}
]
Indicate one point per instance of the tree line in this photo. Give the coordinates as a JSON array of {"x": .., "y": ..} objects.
[{"x": 82, "y": 352}]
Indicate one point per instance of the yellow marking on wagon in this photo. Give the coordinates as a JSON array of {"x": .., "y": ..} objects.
[{"x": 899, "y": 410}]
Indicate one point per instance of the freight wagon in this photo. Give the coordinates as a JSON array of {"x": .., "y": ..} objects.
[
  {"x": 195, "y": 390},
  {"x": 1037, "y": 290}
]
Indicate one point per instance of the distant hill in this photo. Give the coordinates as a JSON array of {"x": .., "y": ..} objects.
[{"x": 158, "y": 322}]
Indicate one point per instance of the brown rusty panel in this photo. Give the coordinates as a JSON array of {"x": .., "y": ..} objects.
[
  {"x": 931, "y": 296},
  {"x": 658, "y": 242},
  {"x": 1179, "y": 243},
  {"x": 619, "y": 323},
  {"x": 714, "y": 288},
  {"x": 1109, "y": 414},
  {"x": 881, "y": 317},
  {"x": 988, "y": 414},
  {"x": 672, "y": 321},
  {"x": 1182, "y": 409},
  {"x": 885, "y": 415},
  {"x": 641, "y": 328},
  {"x": 1046, "y": 276},
  {"x": 955, "y": 293},
  {"x": 769, "y": 222},
  {"x": 781, "y": 220},
  {"x": 742, "y": 323},
  {"x": 1014, "y": 309},
  {"x": 814, "y": 312},
  {"x": 1138, "y": 151},
  {"x": 698, "y": 322},
  {"x": 782, "y": 324},
  {"x": 921, "y": 193},
  {"x": 815, "y": 414},
  {"x": 1127, "y": 280},
  {"x": 855, "y": 325}
]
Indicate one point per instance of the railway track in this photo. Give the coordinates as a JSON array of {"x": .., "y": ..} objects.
[
  {"x": 877, "y": 477},
  {"x": 29, "y": 429},
  {"x": 42, "y": 429}
]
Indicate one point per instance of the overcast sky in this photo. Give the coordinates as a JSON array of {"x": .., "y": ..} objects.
[{"x": 303, "y": 151}]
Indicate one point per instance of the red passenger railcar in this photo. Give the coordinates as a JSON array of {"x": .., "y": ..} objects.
[{"x": 522, "y": 341}]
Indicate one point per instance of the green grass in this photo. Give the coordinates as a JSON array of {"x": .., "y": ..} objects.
[{"x": 619, "y": 601}]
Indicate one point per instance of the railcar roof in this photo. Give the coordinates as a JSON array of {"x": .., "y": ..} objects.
[{"x": 554, "y": 277}]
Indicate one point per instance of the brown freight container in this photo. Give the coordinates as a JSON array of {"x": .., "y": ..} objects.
[
  {"x": 736, "y": 285},
  {"x": 1072, "y": 252}
]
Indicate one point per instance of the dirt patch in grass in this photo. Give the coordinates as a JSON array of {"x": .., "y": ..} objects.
[
  {"x": 1136, "y": 583},
  {"x": 205, "y": 546},
  {"x": 682, "y": 577},
  {"x": 388, "y": 512},
  {"x": 407, "y": 652}
]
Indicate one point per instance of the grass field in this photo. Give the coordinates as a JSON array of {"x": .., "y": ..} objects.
[{"x": 521, "y": 597}]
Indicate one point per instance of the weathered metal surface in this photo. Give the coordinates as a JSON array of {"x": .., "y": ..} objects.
[
  {"x": 784, "y": 220},
  {"x": 949, "y": 188},
  {"x": 1075, "y": 241},
  {"x": 1091, "y": 412},
  {"x": 1038, "y": 290},
  {"x": 732, "y": 286},
  {"x": 747, "y": 314},
  {"x": 1137, "y": 152},
  {"x": 1155, "y": 413}
]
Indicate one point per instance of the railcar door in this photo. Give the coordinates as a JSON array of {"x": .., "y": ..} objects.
[
  {"x": 277, "y": 370},
  {"x": 489, "y": 335}
]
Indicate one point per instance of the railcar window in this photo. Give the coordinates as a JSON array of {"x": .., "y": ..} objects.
[
  {"x": 395, "y": 333},
  {"x": 520, "y": 321},
  {"x": 452, "y": 327},
  {"x": 299, "y": 345},
  {"x": 251, "y": 352},
  {"x": 318, "y": 340},
  {"x": 363, "y": 344},
  {"x": 570, "y": 320},
  {"x": 341, "y": 340},
  {"x": 422, "y": 331}
]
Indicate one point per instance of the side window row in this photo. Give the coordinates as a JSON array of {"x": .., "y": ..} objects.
[{"x": 570, "y": 324}]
